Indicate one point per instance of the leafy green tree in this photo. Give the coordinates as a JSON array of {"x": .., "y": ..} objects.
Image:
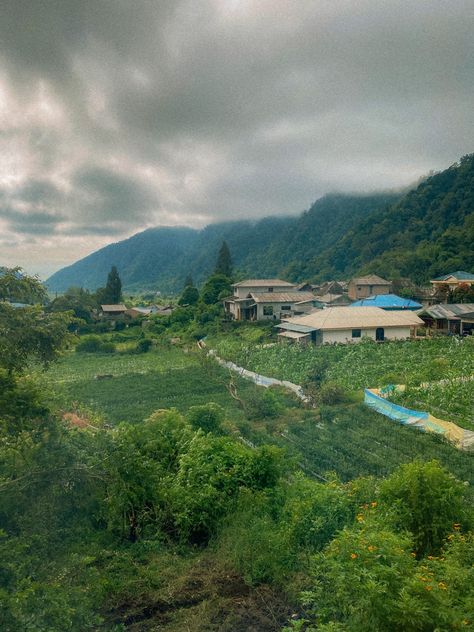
[
  {"x": 216, "y": 287},
  {"x": 224, "y": 261},
  {"x": 206, "y": 417},
  {"x": 190, "y": 296},
  {"x": 27, "y": 333},
  {"x": 112, "y": 293},
  {"x": 427, "y": 500},
  {"x": 17, "y": 287},
  {"x": 77, "y": 300},
  {"x": 462, "y": 294}
]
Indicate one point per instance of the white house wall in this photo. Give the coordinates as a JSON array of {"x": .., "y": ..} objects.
[
  {"x": 345, "y": 335},
  {"x": 277, "y": 313}
]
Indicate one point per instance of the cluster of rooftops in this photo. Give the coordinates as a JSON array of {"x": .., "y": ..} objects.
[{"x": 326, "y": 313}]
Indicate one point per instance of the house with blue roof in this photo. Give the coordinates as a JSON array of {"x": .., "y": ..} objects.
[{"x": 388, "y": 302}]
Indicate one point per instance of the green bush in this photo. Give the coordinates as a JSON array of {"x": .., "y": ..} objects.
[
  {"x": 208, "y": 417},
  {"x": 94, "y": 344},
  {"x": 144, "y": 345},
  {"x": 263, "y": 403},
  {"x": 331, "y": 393},
  {"x": 90, "y": 344}
]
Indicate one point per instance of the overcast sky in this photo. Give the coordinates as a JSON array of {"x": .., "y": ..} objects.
[{"x": 117, "y": 115}]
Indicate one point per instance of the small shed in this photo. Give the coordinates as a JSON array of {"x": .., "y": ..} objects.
[{"x": 455, "y": 318}]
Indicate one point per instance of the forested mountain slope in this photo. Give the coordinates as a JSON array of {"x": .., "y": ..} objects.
[
  {"x": 430, "y": 231},
  {"x": 421, "y": 234},
  {"x": 161, "y": 258}
]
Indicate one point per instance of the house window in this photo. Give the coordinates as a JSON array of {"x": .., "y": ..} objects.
[
  {"x": 356, "y": 333},
  {"x": 270, "y": 289},
  {"x": 268, "y": 310},
  {"x": 286, "y": 308}
]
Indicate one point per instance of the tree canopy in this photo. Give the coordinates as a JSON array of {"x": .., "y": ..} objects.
[
  {"x": 28, "y": 333},
  {"x": 112, "y": 293},
  {"x": 224, "y": 261}
]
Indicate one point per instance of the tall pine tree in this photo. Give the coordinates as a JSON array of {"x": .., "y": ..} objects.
[
  {"x": 224, "y": 261},
  {"x": 113, "y": 289}
]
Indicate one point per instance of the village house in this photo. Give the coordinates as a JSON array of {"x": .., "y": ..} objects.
[
  {"x": 112, "y": 311},
  {"x": 266, "y": 299},
  {"x": 451, "y": 319},
  {"x": 136, "y": 312},
  {"x": 389, "y": 302},
  {"x": 453, "y": 280},
  {"x": 331, "y": 287},
  {"x": 362, "y": 287},
  {"x": 345, "y": 325}
]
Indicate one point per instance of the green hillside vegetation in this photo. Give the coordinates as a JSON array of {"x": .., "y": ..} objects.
[
  {"x": 144, "y": 487},
  {"x": 161, "y": 258},
  {"x": 428, "y": 232},
  {"x": 418, "y": 235}
]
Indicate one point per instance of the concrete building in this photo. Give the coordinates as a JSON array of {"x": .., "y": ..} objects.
[
  {"x": 266, "y": 299},
  {"x": 362, "y": 287},
  {"x": 346, "y": 324}
]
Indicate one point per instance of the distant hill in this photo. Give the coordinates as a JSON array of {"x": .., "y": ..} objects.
[
  {"x": 430, "y": 231},
  {"x": 161, "y": 258},
  {"x": 420, "y": 235}
]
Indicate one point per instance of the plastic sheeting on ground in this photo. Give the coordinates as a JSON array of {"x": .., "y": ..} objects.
[
  {"x": 375, "y": 399},
  {"x": 261, "y": 380}
]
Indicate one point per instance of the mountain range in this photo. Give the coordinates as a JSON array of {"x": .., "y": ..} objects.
[{"x": 418, "y": 234}]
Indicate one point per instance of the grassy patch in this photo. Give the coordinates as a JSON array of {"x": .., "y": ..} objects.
[{"x": 141, "y": 383}]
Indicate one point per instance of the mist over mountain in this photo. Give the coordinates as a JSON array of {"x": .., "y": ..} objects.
[
  {"x": 418, "y": 234},
  {"x": 161, "y": 258}
]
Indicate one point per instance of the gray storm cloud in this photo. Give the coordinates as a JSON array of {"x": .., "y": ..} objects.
[{"x": 115, "y": 116}]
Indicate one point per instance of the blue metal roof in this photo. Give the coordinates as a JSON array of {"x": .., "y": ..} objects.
[{"x": 387, "y": 301}]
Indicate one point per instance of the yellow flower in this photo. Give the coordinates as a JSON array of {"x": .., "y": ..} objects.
[
  {"x": 360, "y": 518},
  {"x": 428, "y": 587},
  {"x": 456, "y": 526},
  {"x": 413, "y": 554},
  {"x": 442, "y": 586},
  {"x": 371, "y": 548},
  {"x": 374, "y": 504},
  {"x": 353, "y": 556}
]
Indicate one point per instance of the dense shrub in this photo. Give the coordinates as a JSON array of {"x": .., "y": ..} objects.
[
  {"x": 331, "y": 393},
  {"x": 208, "y": 417},
  {"x": 94, "y": 344},
  {"x": 263, "y": 403},
  {"x": 144, "y": 345}
]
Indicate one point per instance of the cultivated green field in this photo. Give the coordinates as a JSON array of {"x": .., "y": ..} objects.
[
  {"x": 141, "y": 383},
  {"x": 368, "y": 364},
  {"x": 354, "y": 441},
  {"x": 363, "y": 365},
  {"x": 452, "y": 400},
  {"x": 350, "y": 440}
]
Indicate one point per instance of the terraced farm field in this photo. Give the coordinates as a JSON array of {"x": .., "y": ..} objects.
[
  {"x": 140, "y": 383},
  {"x": 354, "y": 441},
  {"x": 363, "y": 365}
]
